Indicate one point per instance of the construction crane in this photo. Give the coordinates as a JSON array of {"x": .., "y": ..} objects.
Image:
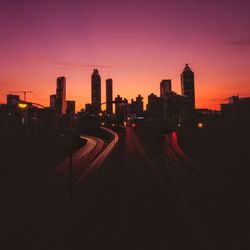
[{"x": 25, "y": 92}]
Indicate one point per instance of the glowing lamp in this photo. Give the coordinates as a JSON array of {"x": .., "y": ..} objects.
[
  {"x": 22, "y": 105},
  {"x": 200, "y": 125}
]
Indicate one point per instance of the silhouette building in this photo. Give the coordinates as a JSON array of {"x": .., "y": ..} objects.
[
  {"x": 118, "y": 102},
  {"x": 155, "y": 107},
  {"x": 61, "y": 95},
  {"x": 139, "y": 104},
  {"x": 236, "y": 106},
  {"x": 52, "y": 99},
  {"x": 13, "y": 99},
  {"x": 121, "y": 109},
  {"x": 96, "y": 91},
  {"x": 165, "y": 87},
  {"x": 71, "y": 108},
  {"x": 174, "y": 108},
  {"x": 187, "y": 85},
  {"x": 109, "y": 96},
  {"x": 136, "y": 107}
]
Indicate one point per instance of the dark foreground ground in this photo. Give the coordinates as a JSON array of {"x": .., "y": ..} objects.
[
  {"x": 139, "y": 199},
  {"x": 222, "y": 203}
]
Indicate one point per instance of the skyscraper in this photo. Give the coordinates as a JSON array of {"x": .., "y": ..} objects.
[
  {"x": 61, "y": 95},
  {"x": 165, "y": 87},
  {"x": 187, "y": 85},
  {"x": 71, "y": 107},
  {"x": 109, "y": 96},
  {"x": 155, "y": 107},
  {"x": 53, "y": 102},
  {"x": 118, "y": 102},
  {"x": 121, "y": 109},
  {"x": 96, "y": 91},
  {"x": 139, "y": 104},
  {"x": 136, "y": 106}
]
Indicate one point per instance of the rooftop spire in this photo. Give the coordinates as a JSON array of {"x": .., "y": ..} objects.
[{"x": 187, "y": 68}]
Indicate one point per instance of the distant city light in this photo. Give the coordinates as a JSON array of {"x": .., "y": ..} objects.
[
  {"x": 179, "y": 125},
  {"x": 133, "y": 125},
  {"x": 103, "y": 123},
  {"x": 113, "y": 125}
]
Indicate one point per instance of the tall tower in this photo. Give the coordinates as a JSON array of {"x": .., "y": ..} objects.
[
  {"x": 165, "y": 87},
  {"x": 61, "y": 95},
  {"x": 109, "y": 96},
  {"x": 187, "y": 85},
  {"x": 139, "y": 104},
  {"x": 53, "y": 102},
  {"x": 71, "y": 108},
  {"x": 96, "y": 91}
]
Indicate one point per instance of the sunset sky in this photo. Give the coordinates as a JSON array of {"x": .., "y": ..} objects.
[{"x": 136, "y": 42}]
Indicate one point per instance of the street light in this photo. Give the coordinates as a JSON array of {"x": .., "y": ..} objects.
[
  {"x": 200, "y": 125},
  {"x": 22, "y": 105}
]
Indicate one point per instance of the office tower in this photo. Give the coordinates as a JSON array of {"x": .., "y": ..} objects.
[
  {"x": 155, "y": 107},
  {"x": 13, "y": 99},
  {"x": 53, "y": 102},
  {"x": 174, "y": 107},
  {"x": 71, "y": 108},
  {"x": 109, "y": 96},
  {"x": 152, "y": 100},
  {"x": 96, "y": 91},
  {"x": 139, "y": 104},
  {"x": 136, "y": 106},
  {"x": 118, "y": 102},
  {"x": 121, "y": 109},
  {"x": 61, "y": 95},
  {"x": 165, "y": 87},
  {"x": 187, "y": 85}
]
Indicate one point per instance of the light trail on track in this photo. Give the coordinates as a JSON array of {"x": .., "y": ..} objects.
[
  {"x": 174, "y": 156},
  {"x": 99, "y": 159},
  {"x": 87, "y": 159}
]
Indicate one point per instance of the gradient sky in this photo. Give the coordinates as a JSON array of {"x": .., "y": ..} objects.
[{"x": 136, "y": 42}]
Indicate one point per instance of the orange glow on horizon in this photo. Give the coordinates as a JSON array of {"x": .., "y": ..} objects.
[{"x": 79, "y": 89}]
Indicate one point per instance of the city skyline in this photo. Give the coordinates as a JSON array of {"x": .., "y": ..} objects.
[
  {"x": 149, "y": 45},
  {"x": 164, "y": 83}
]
